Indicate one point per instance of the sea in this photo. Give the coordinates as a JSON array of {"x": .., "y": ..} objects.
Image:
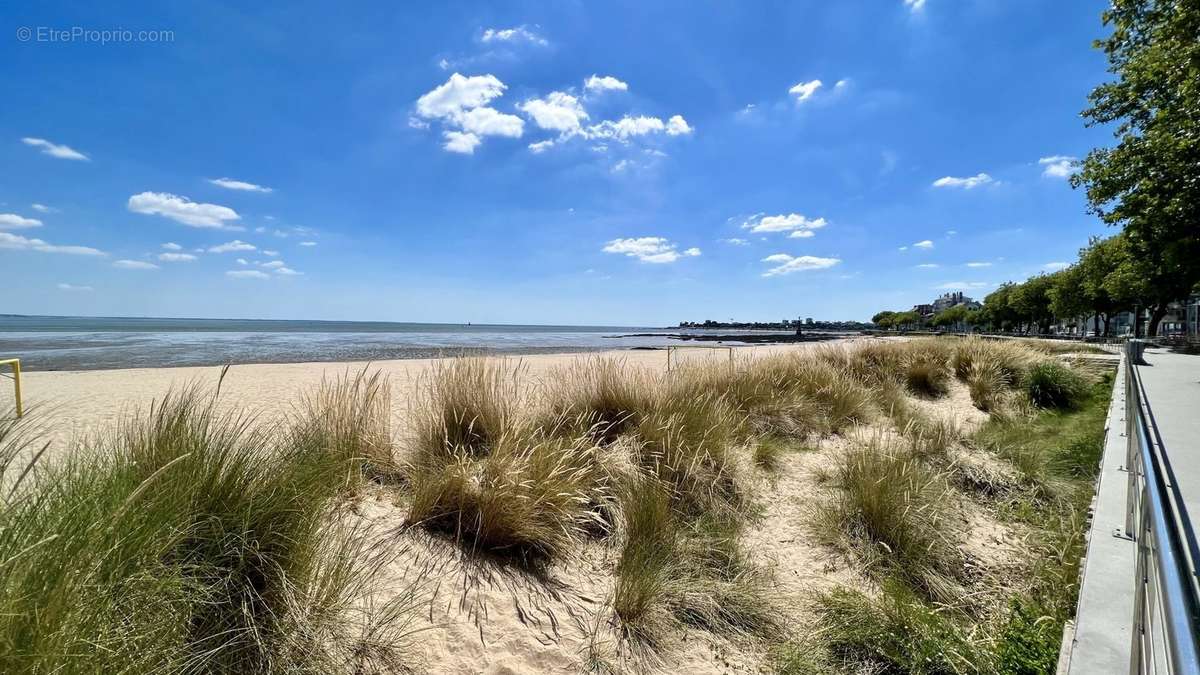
[{"x": 98, "y": 343}]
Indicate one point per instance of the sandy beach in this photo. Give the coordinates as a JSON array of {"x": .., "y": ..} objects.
[{"x": 84, "y": 401}]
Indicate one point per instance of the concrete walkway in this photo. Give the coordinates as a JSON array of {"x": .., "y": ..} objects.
[{"x": 1172, "y": 384}]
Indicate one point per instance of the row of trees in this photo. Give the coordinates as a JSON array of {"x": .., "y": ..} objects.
[{"x": 1147, "y": 184}]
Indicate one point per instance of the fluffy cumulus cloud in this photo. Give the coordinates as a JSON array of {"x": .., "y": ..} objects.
[
  {"x": 735, "y": 241},
  {"x": 797, "y": 225},
  {"x": 558, "y": 112},
  {"x": 967, "y": 183},
  {"x": 55, "y": 150},
  {"x": 1058, "y": 166},
  {"x": 511, "y": 35},
  {"x": 242, "y": 186},
  {"x": 924, "y": 244},
  {"x": 597, "y": 83},
  {"x": 915, "y": 5},
  {"x": 176, "y": 257},
  {"x": 14, "y": 242},
  {"x": 185, "y": 211},
  {"x": 11, "y": 221},
  {"x": 42, "y": 208},
  {"x": 231, "y": 246},
  {"x": 461, "y": 106},
  {"x": 172, "y": 246},
  {"x": 787, "y": 264},
  {"x": 72, "y": 288},
  {"x": 247, "y": 274},
  {"x": 805, "y": 90},
  {"x": 649, "y": 249},
  {"x": 134, "y": 265}
]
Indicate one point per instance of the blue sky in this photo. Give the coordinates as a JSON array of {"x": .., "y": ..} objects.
[{"x": 569, "y": 162}]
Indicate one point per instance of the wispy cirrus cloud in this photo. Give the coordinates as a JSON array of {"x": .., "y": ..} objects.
[
  {"x": 72, "y": 288},
  {"x": 239, "y": 185},
  {"x": 657, "y": 250},
  {"x": 513, "y": 35},
  {"x": 55, "y": 150},
  {"x": 176, "y": 257},
  {"x": 134, "y": 265},
  {"x": 247, "y": 274}
]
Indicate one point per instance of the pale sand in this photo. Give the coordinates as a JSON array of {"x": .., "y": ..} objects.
[
  {"x": 477, "y": 618},
  {"x": 84, "y": 401}
]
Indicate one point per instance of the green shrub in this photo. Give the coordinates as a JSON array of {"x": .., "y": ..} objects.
[
  {"x": 1052, "y": 385},
  {"x": 1029, "y": 643},
  {"x": 895, "y": 633}
]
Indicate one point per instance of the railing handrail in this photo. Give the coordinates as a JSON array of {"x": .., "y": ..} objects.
[{"x": 1167, "y": 598}]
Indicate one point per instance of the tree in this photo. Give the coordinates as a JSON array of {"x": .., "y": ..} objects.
[
  {"x": 883, "y": 319},
  {"x": 1149, "y": 183},
  {"x": 1067, "y": 296},
  {"x": 1031, "y": 301},
  {"x": 998, "y": 311}
]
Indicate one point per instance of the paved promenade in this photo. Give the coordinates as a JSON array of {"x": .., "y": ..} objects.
[{"x": 1172, "y": 384}]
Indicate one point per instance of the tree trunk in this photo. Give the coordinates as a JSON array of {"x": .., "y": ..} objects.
[{"x": 1156, "y": 317}]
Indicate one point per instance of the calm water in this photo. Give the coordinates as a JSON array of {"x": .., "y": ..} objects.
[{"x": 92, "y": 343}]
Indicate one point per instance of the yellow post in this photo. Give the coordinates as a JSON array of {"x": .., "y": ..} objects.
[{"x": 15, "y": 364}]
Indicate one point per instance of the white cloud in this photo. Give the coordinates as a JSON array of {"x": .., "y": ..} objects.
[
  {"x": 269, "y": 253},
  {"x": 598, "y": 83},
  {"x": 287, "y": 271},
  {"x": 457, "y": 141},
  {"x": 72, "y": 288},
  {"x": 979, "y": 264},
  {"x": 915, "y": 5},
  {"x": 787, "y": 264},
  {"x": 961, "y": 285},
  {"x": 229, "y": 246},
  {"x": 736, "y": 241},
  {"x": 951, "y": 233},
  {"x": 541, "y": 146},
  {"x": 42, "y": 208},
  {"x": 791, "y": 222},
  {"x": 649, "y": 249},
  {"x": 902, "y": 248},
  {"x": 518, "y": 34},
  {"x": 172, "y": 246},
  {"x": 176, "y": 257},
  {"x": 460, "y": 104},
  {"x": 801, "y": 234},
  {"x": 491, "y": 122},
  {"x": 247, "y": 274},
  {"x": 928, "y": 266},
  {"x": 18, "y": 243},
  {"x": 459, "y": 94},
  {"x": 1055, "y": 266},
  {"x": 241, "y": 261},
  {"x": 805, "y": 90},
  {"x": 308, "y": 243},
  {"x": 1058, "y": 166},
  {"x": 677, "y": 126},
  {"x": 627, "y": 127},
  {"x": 134, "y": 265},
  {"x": 273, "y": 264},
  {"x": 923, "y": 244},
  {"x": 184, "y": 210},
  {"x": 59, "y": 151},
  {"x": 967, "y": 183},
  {"x": 559, "y": 112},
  {"x": 11, "y": 221},
  {"x": 231, "y": 184}
]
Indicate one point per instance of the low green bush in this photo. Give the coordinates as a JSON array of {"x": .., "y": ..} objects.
[{"x": 1052, "y": 385}]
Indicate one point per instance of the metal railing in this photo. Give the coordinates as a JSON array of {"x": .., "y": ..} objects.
[{"x": 1167, "y": 596}]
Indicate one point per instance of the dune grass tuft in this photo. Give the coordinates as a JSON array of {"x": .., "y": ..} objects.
[
  {"x": 645, "y": 568},
  {"x": 186, "y": 540},
  {"x": 893, "y": 510},
  {"x": 1053, "y": 385}
]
